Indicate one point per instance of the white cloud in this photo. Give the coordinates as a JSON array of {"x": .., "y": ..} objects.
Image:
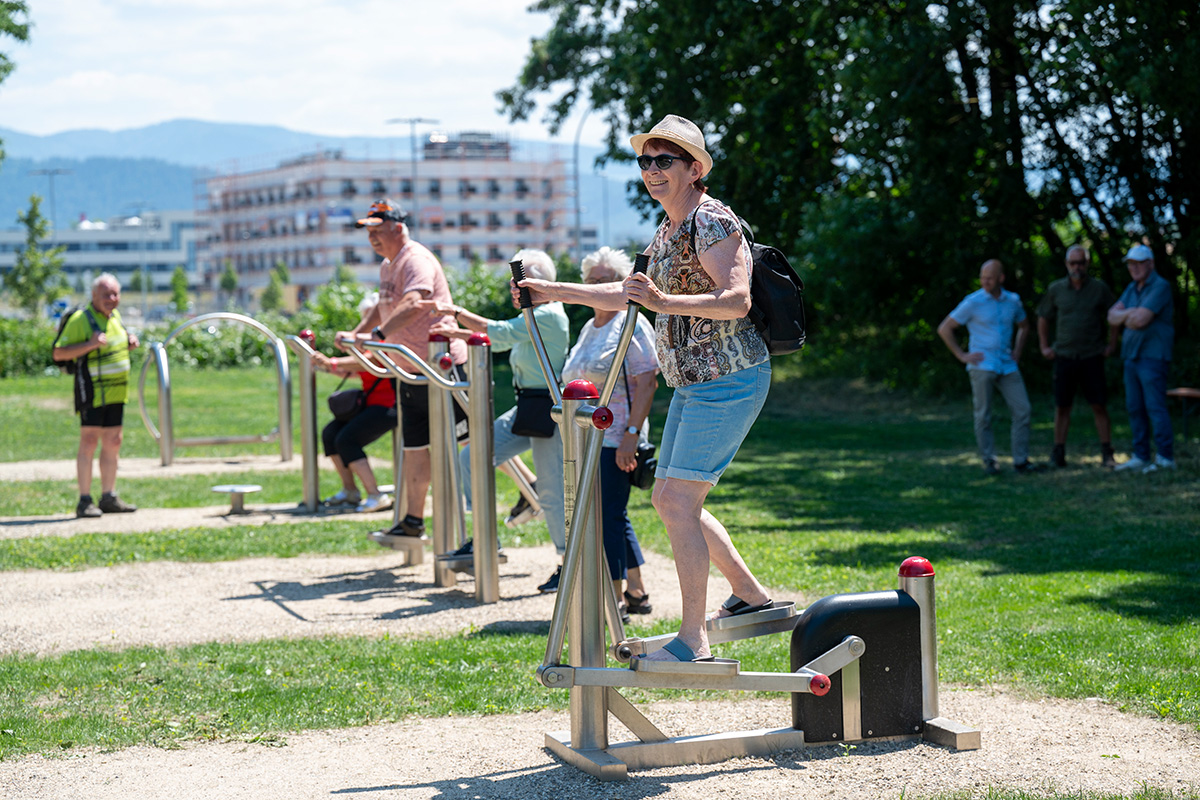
[{"x": 315, "y": 65}]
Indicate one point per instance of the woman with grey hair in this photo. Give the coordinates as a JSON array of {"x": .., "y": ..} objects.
[
  {"x": 698, "y": 285},
  {"x": 590, "y": 359},
  {"x": 546, "y": 443}
]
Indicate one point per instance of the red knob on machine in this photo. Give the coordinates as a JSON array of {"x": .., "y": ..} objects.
[
  {"x": 307, "y": 336},
  {"x": 820, "y": 684},
  {"x": 602, "y": 418},
  {"x": 446, "y": 362}
]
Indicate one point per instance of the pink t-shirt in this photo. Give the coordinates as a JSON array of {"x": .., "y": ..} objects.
[{"x": 415, "y": 269}]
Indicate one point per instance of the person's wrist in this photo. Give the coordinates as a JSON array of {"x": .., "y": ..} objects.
[
  {"x": 377, "y": 332},
  {"x": 633, "y": 430}
]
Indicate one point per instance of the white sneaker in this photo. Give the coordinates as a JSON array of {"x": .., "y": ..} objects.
[
  {"x": 1134, "y": 463},
  {"x": 375, "y": 502},
  {"x": 1159, "y": 463},
  {"x": 343, "y": 498}
]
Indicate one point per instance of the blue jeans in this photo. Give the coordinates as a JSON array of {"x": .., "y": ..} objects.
[
  {"x": 1146, "y": 401},
  {"x": 547, "y": 463},
  {"x": 984, "y": 383},
  {"x": 621, "y": 548}
]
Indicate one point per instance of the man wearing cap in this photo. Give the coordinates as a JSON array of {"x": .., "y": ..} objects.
[
  {"x": 990, "y": 315},
  {"x": 408, "y": 274},
  {"x": 1146, "y": 313},
  {"x": 1077, "y": 306}
]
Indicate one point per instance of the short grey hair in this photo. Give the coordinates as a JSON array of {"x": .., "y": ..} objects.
[
  {"x": 107, "y": 276},
  {"x": 538, "y": 264},
  {"x": 1081, "y": 249},
  {"x": 615, "y": 260}
]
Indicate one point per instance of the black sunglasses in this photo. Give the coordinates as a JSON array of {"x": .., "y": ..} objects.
[{"x": 662, "y": 162}]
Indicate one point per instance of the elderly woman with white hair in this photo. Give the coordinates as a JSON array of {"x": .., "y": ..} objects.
[
  {"x": 698, "y": 285},
  {"x": 590, "y": 359},
  {"x": 515, "y": 434}
]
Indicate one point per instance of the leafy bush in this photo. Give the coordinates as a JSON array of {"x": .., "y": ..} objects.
[{"x": 27, "y": 346}]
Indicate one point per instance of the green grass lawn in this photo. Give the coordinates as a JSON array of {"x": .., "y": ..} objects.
[{"x": 1072, "y": 583}]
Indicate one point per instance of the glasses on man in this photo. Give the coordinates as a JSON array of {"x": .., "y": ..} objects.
[
  {"x": 662, "y": 162},
  {"x": 1076, "y": 262}
]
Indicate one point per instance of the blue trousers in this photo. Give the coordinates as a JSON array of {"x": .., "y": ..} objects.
[
  {"x": 1146, "y": 401},
  {"x": 621, "y": 548}
]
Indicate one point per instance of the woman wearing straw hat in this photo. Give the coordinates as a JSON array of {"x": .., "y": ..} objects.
[{"x": 698, "y": 284}]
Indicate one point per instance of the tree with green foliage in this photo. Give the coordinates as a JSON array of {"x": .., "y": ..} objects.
[
  {"x": 14, "y": 24},
  {"x": 179, "y": 290},
  {"x": 272, "y": 297},
  {"x": 281, "y": 269},
  {"x": 136, "y": 280},
  {"x": 343, "y": 274},
  {"x": 891, "y": 147},
  {"x": 36, "y": 278},
  {"x": 228, "y": 282}
]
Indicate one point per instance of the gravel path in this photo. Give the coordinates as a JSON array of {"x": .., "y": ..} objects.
[{"x": 1027, "y": 744}]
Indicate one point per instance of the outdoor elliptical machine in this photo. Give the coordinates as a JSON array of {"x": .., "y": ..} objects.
[{"x": 835, "y": 685}]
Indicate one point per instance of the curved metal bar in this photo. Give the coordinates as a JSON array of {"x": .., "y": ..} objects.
[
  {"x": 153, "y": 431},
  {"x": 362, "y": 359},
  {"x": 430, "y": 375},
  {"x": 225, "y": 315}
]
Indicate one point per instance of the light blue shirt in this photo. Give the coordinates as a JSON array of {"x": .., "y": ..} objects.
[
  {"x": 512, "y": 335},
  {"x": 990, "y": 321},
  {"x": 1157, "y": 339}
]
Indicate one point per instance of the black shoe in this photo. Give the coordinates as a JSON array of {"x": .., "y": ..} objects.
[
  {"x": 638, "y": 605},
  {"x": 467, "y": 550},
  {"x": 624, "y": 612},
  {"x": 1058, "y": 456},
  {"x": 551, "y": 586},
  {"x": 1028, "y": 468},
  {"x": 522, "y": 512},
  {"x": 1106, "y": 456},
  {"x": 409, "y": 526},
  {"x": 86, "y": 508},
  {"x": 990, "y": 467},
  {"x": 111, "y": 504}
]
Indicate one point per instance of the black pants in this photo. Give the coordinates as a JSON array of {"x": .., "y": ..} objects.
[{"x": 347, "y": 439}]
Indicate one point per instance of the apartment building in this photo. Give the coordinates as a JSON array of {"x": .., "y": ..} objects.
[{"x": 468, "y": 197}]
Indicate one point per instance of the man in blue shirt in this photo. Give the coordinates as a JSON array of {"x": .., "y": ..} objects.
[
  {"x": 1145, "y": 311},
  {"x": 990, "y": 314}
]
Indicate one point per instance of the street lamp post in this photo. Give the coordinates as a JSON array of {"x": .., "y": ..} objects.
[
  {"x": 50, "y": 173},
  {"x": 412, "y": 122},
  {"x": 579, "y": 191}
]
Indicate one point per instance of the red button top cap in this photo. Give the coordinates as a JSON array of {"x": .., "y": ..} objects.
[
  {"x": 602, "y": 418},
  {"x": 308, "y": 336},
  {"x": 446, "y": 362},
  {"x": 478, "y": 340},
  {"x": 580, "y": 390},
  {"x": 438, "y": 337},
  {"x": 916, "y": 567}
]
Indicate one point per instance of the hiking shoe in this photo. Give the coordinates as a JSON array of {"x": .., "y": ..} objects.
[
  {"x": 1106, "y": 457},
  {"x": 1134, "y": 464},
  {"x": 375, "y": 502},
  {"x": 342, "y": 498},
  {"x": 111, "y": 504},
  {"x": 551, "y": 585},
  {"x": 1028, "y": 468},
  {"x": 86, "y": 508},
  {"x": 1158, "y": 463},
  {"x": 990, "y": 467},
  {"x": 1058, "y": 456},
  {"x": 466, "y": 551}
]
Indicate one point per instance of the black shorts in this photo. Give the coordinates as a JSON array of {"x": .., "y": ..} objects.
[
  {"x": 414, "y": 411},
  {"x": 1084, "y": 374},
  {"x": 109, "y": 416}
]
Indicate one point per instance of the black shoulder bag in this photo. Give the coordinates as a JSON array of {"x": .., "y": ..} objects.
[
  {"x": 642, "y": 475},
  {"x": 346, "y": 404}
]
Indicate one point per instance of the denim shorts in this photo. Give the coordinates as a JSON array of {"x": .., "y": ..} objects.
[{"x": 707, "y": 423}]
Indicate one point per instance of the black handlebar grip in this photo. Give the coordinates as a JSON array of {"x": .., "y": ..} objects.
[
  {"x": 518, "y": 271},
  {"x": 640, "y": 262}
]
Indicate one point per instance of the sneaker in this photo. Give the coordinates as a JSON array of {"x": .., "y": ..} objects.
[
  {"x": 1058, "y": 456},
  {"x": 86, "y": 508},
  {"x": 990, "y": 467},
  {"x": 1158, "y": 463},
  {"x": 1134, "y": 464},
  {"x": 1106, "y": 457},
  {"x": 551, "y": 585},
  {"x": 111, "y": 504},
  {"x": 521, "y": 513},
  {"x": 375, "y": 502},
  {"x": 466, "y": 551},
  {"x": 342, "y": 498},
  {"x": 409, "y": 526},
  {"x": 1028, "y": 468}
]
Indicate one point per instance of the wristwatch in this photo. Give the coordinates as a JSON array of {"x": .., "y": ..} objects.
[
  {"x": 634, "y": 430},
  {"x": 377, "y": 332}
]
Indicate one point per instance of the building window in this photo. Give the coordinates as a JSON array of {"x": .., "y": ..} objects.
[
  {"x": 435, "y": 188},
  {"x": 493, "y": 221},
  {"x": 378, "y": 188},
  {"x": 466, "y": 188},
  {"x": 437, "y": 251},
  {"x": 406, "y": 186},
  {"x": 464, "y": 252},
  {"x": 493, "y": 188},
  {"x": 522, "y": 188},
  {"x": 348, "y": 188},
  {"x": 435, "y": 225},
  {"x": 523, "y": 220},
  {"x": 547, "y": 189},
  {"x": 494, "y": 253}
]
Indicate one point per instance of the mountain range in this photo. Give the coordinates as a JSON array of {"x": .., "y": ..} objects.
[{"x": 108, "y": 173}]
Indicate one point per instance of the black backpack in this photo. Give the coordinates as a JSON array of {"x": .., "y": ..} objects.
[
  {"x": 71, "y": 366},
  {"x": 776, "y": 296}
]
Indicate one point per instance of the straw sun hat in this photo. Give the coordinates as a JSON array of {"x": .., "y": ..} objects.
[{"x": 680, "y": 131}]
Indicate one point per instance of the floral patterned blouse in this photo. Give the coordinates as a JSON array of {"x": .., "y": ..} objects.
[{"x": 694, "y": 350}]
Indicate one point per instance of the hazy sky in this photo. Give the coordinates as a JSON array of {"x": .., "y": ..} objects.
[{"x": 338, "y": 68}]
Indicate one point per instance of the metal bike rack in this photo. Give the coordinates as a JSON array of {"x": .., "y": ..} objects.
[
  {"x": 166, "y": 438},
  {"x": 586, "y": 600}
]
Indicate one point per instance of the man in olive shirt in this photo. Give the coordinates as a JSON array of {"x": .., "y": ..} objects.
[{"x": 1077, "y": 306}]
